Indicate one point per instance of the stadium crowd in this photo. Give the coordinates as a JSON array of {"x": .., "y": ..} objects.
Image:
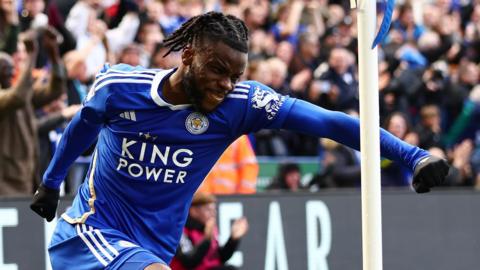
[{"x": 429, "y": 75}]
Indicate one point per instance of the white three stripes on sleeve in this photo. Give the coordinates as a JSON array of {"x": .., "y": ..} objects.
[
  {"x": 109, "y": 78},
  {"x": 240, "y": 91}
]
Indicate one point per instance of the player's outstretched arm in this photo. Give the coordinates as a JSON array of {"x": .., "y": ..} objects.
[
  {"x": 78, "y": 136},
  {"x": 310, "y": 119}
]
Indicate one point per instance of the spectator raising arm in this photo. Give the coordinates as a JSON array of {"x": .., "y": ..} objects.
[
  {"x": 15, "y": 97},
  {"x": 58, "y": 78}
]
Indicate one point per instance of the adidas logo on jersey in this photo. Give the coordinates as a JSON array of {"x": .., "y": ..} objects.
[{"x": 130, "y": 115}]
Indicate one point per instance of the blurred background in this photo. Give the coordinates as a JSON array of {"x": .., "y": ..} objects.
[{"x": 429, "y": 78}]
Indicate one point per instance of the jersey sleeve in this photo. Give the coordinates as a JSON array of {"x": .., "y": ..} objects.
[
  {"x": 307, "y": 118},
  {"x": 80, "y": 133},
  {"x": 264, "y": 108},
  {"x": 94, "y": 109}
]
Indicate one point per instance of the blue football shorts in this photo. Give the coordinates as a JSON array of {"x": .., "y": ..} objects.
[{"x": 83, "y": 247}]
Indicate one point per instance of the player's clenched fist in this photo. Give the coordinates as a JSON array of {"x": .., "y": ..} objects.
[
  {"x": 45, "y": 202},
  {"x": 429, "y": 172}
]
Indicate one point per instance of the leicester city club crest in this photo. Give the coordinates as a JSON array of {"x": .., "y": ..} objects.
[{"x": 196, "y": 123}]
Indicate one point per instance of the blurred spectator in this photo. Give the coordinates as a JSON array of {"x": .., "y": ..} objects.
[
  {"x": 19, "y": 171},
  {"x": 33, "y": 16},
  {"x": 392, "y": 173},
  {"x": 77, "y": 77},
  {"x": 288, "y": 26},
  {"x": 259, "y": 70},
  {"x": 430, "y": 17},
  {"x": 307, "y": 54},
  {"x": 235, "y": 172},
  {"x": 255, "y": 16},
  {"x": 465, "y": 125},
  {"x": 40, "y": 14},
  {"x": 429, "y": 129},
  {"x": 262, "y": 45},
  {"x": 336, "y": 87},
  {"x": 51, "y": 120},
  {"x": 469, "y": 76},
  {"x": 340, "y": 167},
  {"x": 149, "y": 35},
  {"x": 340, "y": 35},
  {"x": 288, "y": 178},
  {"x": 392, "y": 99},
  {"x": 199, "y": 248},
  {"x": 472, "y": 34},
  {"x": 460, "y": 173},
  {"x": 190, "y": 8},
  {"x": 404, "y": 29},
  {"x": 475, "y": 160},
  {"x": 92, "y": 43},
  {"x": 285, "y": 51},
  {"x": 9, "y": 27},
  {"x": 132, "y": 55},
  {"x": 159, "y": 60},
  {"x": 170, "y": 19},
  {"x": 278, "y": 71},
  {"x": 84, "y": 24}
]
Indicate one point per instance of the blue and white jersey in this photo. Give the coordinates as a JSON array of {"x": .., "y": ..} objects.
[{"x": 151, "y": 156}]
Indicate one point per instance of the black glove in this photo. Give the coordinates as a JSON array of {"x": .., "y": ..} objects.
[
  {"x": 45, "y": 202},
  {"x": 430, "y": 172}
]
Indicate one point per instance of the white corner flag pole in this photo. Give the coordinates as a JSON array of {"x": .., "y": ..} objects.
[{"x": 369, "y": 137}]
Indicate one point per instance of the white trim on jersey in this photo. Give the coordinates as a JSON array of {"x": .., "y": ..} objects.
[
  {"x": 157, "y": 98},
  {"x": 121, "y": 81},
  {"x": 242, "y": 85},
  {"x": 241, "y": 90},
  {"x": 107, "y": 79},
  {"x": 136, "y": 72},
  {"x": 237, "y": 96},
  {"x": 128, "y": 75},
  {"x": 90, "y": 246}
]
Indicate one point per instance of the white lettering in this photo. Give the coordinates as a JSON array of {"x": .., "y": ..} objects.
[
  {"x": 186, "y": 160},
  {"x": 125, "y": 145},
  {"x": 181, "y": 175},
  {"x": 163, "y": 157},
  {"x": 168, "y": 176},
  {"x": 276, "y": 253},
  {"x": 8, "y": 218},
  {"x": 122, "y": 163},
  {"x": 317, "y": 252},
  {"x": 137, "y": 170},
  {"x": 154, "y": 172},
  {"x": 142, "y": 151},
  {"x": 135, "y": 165},
  {"x": 228, "y": 212}
]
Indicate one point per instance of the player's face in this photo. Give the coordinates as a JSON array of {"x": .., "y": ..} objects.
[{"x": 212, "y": 74}]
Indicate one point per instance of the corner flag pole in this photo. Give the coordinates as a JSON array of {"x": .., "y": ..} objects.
[{"x": 369, "y": 137}]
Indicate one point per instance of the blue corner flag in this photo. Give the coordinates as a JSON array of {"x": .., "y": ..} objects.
[{"x": 387, "y": 19}]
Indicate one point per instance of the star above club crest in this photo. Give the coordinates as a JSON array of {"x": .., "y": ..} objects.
[{"x": 147, "y": 136}]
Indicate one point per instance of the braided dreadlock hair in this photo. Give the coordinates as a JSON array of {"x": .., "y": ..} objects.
[{"x": 214, "y": 26}]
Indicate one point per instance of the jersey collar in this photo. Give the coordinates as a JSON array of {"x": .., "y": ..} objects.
[{"x": 157, "y": 86}]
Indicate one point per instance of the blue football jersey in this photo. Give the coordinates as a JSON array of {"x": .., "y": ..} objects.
[{"x": 151, "y": 156}]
